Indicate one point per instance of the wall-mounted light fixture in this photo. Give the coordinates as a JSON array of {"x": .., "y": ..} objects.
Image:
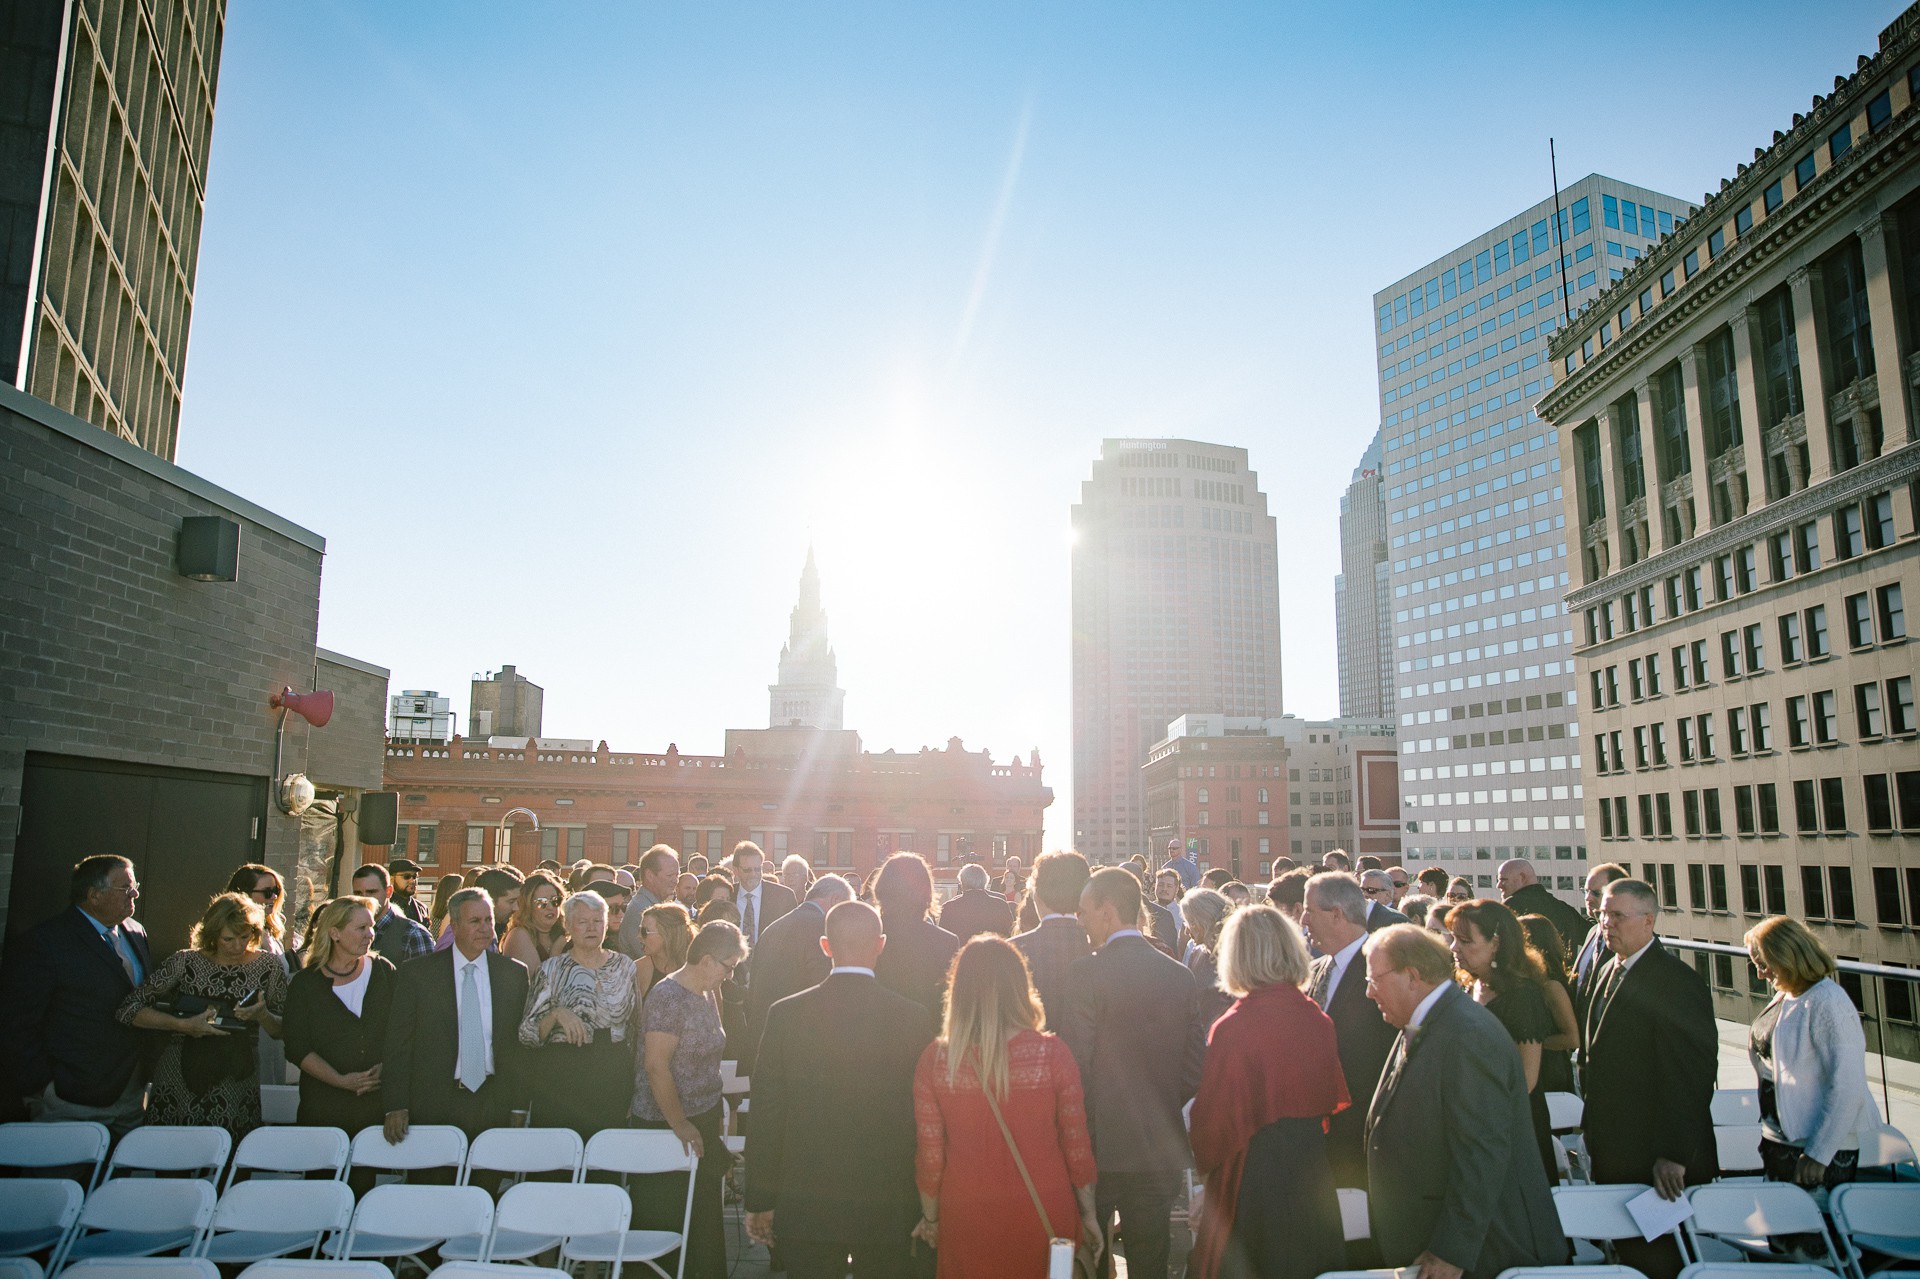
[
  {"x": 293, "y": 794},
  {"x": 208, "y": 549}
]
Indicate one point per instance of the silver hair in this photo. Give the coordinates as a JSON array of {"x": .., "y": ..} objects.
[
  {"x": 973, "y": 875},
  {"x": 1203, "y": 908},
  {"x": 465, "y": 895},
  {"x": 1339, "y": 890},
  {"x": 585, "y": 899},
  {"x": 830, "y": 890}
]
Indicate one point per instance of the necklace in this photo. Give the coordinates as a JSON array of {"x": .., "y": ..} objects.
[{"x": 328, "y": 970}]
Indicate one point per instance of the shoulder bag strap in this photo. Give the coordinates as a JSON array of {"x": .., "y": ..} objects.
[{"x": 1013, "y": 1148}]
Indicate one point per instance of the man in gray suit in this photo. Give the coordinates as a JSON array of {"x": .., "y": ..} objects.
[{"x": 1455, "y": 1183}]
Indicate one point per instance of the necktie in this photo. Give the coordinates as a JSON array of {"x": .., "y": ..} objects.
[
  {"x": 748, "y": 919},
  {"x": 1323, "y": 988},
  {"x": 122, "y": 949},
  {"x": 473, "y": 1039},
  {"x": 1609, "y": 985}
]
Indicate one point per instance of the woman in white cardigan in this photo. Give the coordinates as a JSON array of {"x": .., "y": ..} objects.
[{"x": 1811, "y": 1056}]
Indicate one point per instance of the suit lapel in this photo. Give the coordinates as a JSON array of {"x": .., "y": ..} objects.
[
  {"x": 98, "y": 946},
  {"x": 499, "y": 972}
]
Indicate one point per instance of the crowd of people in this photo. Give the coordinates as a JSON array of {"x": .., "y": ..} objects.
[{"x": 953, "y": 1089}]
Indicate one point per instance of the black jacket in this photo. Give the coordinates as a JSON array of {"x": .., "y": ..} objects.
[
  {"x": 423, "y": 1039},
  {"x": 1652, "y": 1051},
  {"x": 63, "y": 989},
  {"x": 787, "y": 961},
  {"x": 1452, "y": 1165},
  {"x": 916, "y": 960},
  {"x": 1379, "y": 916},
  {"x": 1133, "y": 1021},
  {"x": 1537, "y": 899},
  {"x": 830, "y": 1150},
  {"x": 974, "y": 911},
  {"x": 1365, "y": 1040},
  {"x": 1050, "y": 949}
]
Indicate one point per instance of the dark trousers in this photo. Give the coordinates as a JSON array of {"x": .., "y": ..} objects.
[
  {"x": 1144, "y": 1201},
  {"x": 871, "y": 1254},
  {"x": 659, "y": 1200}
]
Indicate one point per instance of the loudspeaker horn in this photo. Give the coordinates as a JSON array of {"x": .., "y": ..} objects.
[{"x": 316, "y": 707}]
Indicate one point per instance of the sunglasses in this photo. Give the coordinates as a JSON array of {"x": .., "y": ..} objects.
[
  {"x": 1375, "y": 892},
  {"x": 271, "y": 894}
]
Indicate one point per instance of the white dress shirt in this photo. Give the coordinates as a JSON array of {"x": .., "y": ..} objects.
[
  {"x": 460, "y": 965},
  {"x": 1426, "y": 1006}
]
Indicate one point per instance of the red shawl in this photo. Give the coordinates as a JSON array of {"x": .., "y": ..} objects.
[{"x": 1270, "y": 1056}]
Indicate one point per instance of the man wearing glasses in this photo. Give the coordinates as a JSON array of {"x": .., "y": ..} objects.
[
  {"x": 406, "y": 880},
  {"x": 68, "y": 1055},
  {"x": 395, "y": 936},
  {"x": 1378, "y": 887}
]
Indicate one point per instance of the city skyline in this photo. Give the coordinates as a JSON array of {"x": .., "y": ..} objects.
[{"x": 888, "y": 301}]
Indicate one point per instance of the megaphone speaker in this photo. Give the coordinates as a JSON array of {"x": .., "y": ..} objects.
[
  {"x": 316, "y": 707},
  {"x": 379, "y": 813}
]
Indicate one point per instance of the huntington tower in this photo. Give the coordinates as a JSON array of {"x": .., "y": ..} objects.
[{"x": 808, "y": 694}]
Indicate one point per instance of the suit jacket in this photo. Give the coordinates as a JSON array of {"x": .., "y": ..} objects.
[
  {"x": 1365, "y": 1041},
  {"x": 1586, "y": 974},
  {"x": 1379, "y": 916},
  {"x": 1050, "y": 950},
  {"x": 423, "y": 1039},
  {"x": 776, "y": 899},
  {"x": 915, "y": 962},
  {"x": 64, "y": 987},
  {"x": 831, "y": 1147},
  {"x": 1133, "y": 1021},
  {"x": 1452, "y": 1164},
  {"x": 1163, "y": 925},
  {"x": 788, "y": 960},
  {"x": 974, "y": 911},
  {"x": 1573, "y": 925},
  {"x": 1651, "y": 1056}
]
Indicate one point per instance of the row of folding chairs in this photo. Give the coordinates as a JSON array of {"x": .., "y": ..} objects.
[
  {"x": 200, "y": 1268},
  {"x": 133, "y": 1217},
  {"x": 1698, "y": 1270}
]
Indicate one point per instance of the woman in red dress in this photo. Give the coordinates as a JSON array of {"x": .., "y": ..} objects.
[{"x": 974, "y": 1205}]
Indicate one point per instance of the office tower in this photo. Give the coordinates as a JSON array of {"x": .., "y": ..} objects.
[
  {"x": 1175, "y": 608},
  {"x": 1737, "y": 425},
  {"x": 103, "y": 166},
  {"x": 808, "y": 693},
  {"x": 1483, "y": 665},
  {"x": 1363, "y": 594}
]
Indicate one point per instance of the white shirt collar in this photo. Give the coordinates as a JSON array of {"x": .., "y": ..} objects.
[
  {"x": 1123, "y": 932},
  {"x": 864, "y": 972},
  {"x": 461, "y": 961},
  {"x": 1055, "y": 915},
  {"x": 1426, "y": 1005},
  {"x": 1628, "y": 961}
]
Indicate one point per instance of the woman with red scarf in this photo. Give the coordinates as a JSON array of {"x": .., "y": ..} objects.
[{"x": 1259, "y": 1122}]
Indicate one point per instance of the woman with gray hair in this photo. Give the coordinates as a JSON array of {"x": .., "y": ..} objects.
[
  {"x": 580, "y": 1023},
  {"x": 1204, "y": 910}
]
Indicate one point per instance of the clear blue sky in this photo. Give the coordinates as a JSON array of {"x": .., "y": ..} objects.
[{"x": 569, "y": 326}]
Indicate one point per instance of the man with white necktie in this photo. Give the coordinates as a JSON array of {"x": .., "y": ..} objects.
[{"x": 453, "y": 1047}]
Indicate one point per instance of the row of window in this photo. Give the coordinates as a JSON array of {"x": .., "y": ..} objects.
[
  {"x": 419, "y": 841},
  {"x": 1890, "y": 802},
  {"x": 1444, "y": 368},
  {"x": 1826, "y": 892},
  {"x": 1881, "y": 709}
]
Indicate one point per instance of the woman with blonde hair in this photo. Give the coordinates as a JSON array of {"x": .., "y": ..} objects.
[
  {"x": 666, "y": 930},
  {"x": 212, "y": 999},
  {"x": 990, "y": 1085},
  {"x": 1271, "y": 1081},
  {"x": 336, "y": 1020},
  {"x": 1811, "y": 1056}
]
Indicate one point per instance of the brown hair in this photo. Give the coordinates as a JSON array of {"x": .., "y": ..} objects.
[
  {"x": 228, "y": 910},
  {"x": 676, "y": 930},
  {"x": 442, "y": 893},
  {"x": 1514, "y": 960},
  {"x": 242, "y": 882},
  {"x": 1549, "y": 944}
]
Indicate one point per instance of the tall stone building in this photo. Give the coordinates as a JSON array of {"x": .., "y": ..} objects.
[
  {"x": 505, "y": 704},
  {"x": 1737, "y": 424},
  {"x": 1363, "y": 594},
  {"x": 808, "y": 692},
  {"x": 103, "y": 176},
  {"x": 1484, "y": 684},
  {"x": 1175, "y": 608}
]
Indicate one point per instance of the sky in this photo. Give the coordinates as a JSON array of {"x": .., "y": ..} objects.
[{"x": 571, "y": 327}]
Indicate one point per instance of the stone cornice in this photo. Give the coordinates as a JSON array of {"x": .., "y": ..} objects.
[{"x": 1878, "y": 473}]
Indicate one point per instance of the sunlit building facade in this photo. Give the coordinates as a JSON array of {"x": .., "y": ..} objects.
[{"x": 1363, "y": 594}]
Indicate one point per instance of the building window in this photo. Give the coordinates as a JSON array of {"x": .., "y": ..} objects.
[
  {"x": 1799, "y": 722},
  {"x": 1893, "y": 614},
  {"x": 1791, "y": 652},
  {"x": 1900, "y": 715},
  {"x": 1868, "y": 715},
  {"x": 1813, "y": 892},
  {"x": 476, "y": 843},
  {"x": 1859, "y": 613},
  {"x": 1826, "y": 718},
  {"x": 1817, "y": 631}
]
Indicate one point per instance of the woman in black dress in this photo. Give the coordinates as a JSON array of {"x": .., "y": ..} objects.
[
  {"x": 1500, "y": 970},
  {"x": 335, "y": 1025},
  {"x": 1556, "y": 1055}
]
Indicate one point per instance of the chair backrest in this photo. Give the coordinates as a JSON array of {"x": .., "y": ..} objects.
[
  {"x": 1884, "y": 1146},
  {"x": 292, "y": 1207},
  {"x": 1355, "y": 1224},
  {"x": 425, "y": 1146},
  {"x": 289, "y": 1268},
  {"x": 1754, "y": 1270},
  {"x": 169, "y": 1148},
  {"x": 143, "y": 1268},
  {"x": 636, "y": 1150},
  {"x": 1736, "y": 1106},
  {"x": 565, "y": 1209},
  {"x": 1869, "y": 1209},
  {"x": 279, "y": 1104},
  {"x": 65, "y": 1144},
  {"x": 42, "y": 1203},
  {"x": 20, "y": 1268},
  {"x": 491, "y": 1270},
  {"x": 438, "y": 1212},
  {"x": 293, "y": 1150},
  {"x": 1596, "y": 1212},
  {"x": 1765, "y": 1209},
  {"x": 1738, "y": 1147},
  {"x": 1565, "y": 1110},
  {"x": 526, "y": 1150},
  {"x": 149, "y": 1205},
  {"x": 732, "y": 1082},
  {"x": 1570, "y": 1272}
]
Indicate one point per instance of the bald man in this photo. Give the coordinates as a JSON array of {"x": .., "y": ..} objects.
[
  {"x": 830, "y": 1176},
  {"x": 1524, "y": 894}
]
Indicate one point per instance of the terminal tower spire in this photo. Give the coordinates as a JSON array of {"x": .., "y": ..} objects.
[{"x": 808, "y": 693}]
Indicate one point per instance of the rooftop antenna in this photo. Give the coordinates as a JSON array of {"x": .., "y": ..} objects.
[{"x": 1566, "y": 300}]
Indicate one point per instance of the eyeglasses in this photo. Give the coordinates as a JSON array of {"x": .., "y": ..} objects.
[
  {"x": 543, "y": 901},
  {"x": 270, "y": 893},
  {"x": 1375, "y": 892},
  {"x": 131, "y": 890}
]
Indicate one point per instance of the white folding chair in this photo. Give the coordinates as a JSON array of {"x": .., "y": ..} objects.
[
  {"x": 1565, "y": 1110},
  {"x": 1748, "y": 1215},
  {"x": 40, "y": 1213},
  {"x": 425, "y": 1146},
  {"x": 65, "y": 1144},
  {"x": 141, "y": 1217},
  {"x": 1354, "y": 1221},
  {"x": 292, "y": 1151},
  {"x": 638, "y": 1152},
  {"x": 285, "y": 1268},
  {"x": 1735, "y": 1106},
  {"x": 279, "y": 1103},
  {"x": 198, "y": 1151},
  {"x": 256, "y": 1220},
  {"x": 1597, "y": 1215},
  {"x": 520, "y": 1151},
  {"x": 1359, "y": 1274},
  {"x": 1570, "y": 1272},
  {"x": 402, "y": 1222},
  {"x": 537, "y": 1215},
  {"x": 20, "y": 1268},
  {"x": 1882, "y": 1220},
  {"x": 492, "y": 1270},
  {"x": 1754, "y": 1270},
  {"x": 143, "y": 1268},
  {"x": 1886, "y": 1147},
  {"x": 1738, "y": 1149}
]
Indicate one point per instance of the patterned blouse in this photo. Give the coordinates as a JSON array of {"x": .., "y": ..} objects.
[
  {"x": 601, "y": 997},
  {"x": 672, "y": 1009},
  {"x": 193, "y": 972}
]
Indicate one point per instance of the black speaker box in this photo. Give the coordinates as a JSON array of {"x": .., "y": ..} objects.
[{"x": 379, "y": 813}]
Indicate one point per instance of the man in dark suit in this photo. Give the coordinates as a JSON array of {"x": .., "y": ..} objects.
[
  {"x": 453, "y": 1034},
  {"x": 1524, "y": 894},
  {"x": 789, "y": 959},
  {"x": 759, "y": 899},
  {"x": 1651, "y": 1054},
  {"x": 976, "y": 909},
  {"x": 830, "y": 1175},
  {"x": 1334, "y": 914},
  {"x": 1593, "y": 953},
  {"x": 1377, "y": 886},
  {"x": 919, "y": 952},
  {"x": 1455, "y": 1185},
  {"x": 1057, "y": 941},
  {"x": 69, "y": 1055},
  {"x": 1133, "y": 1022}
]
